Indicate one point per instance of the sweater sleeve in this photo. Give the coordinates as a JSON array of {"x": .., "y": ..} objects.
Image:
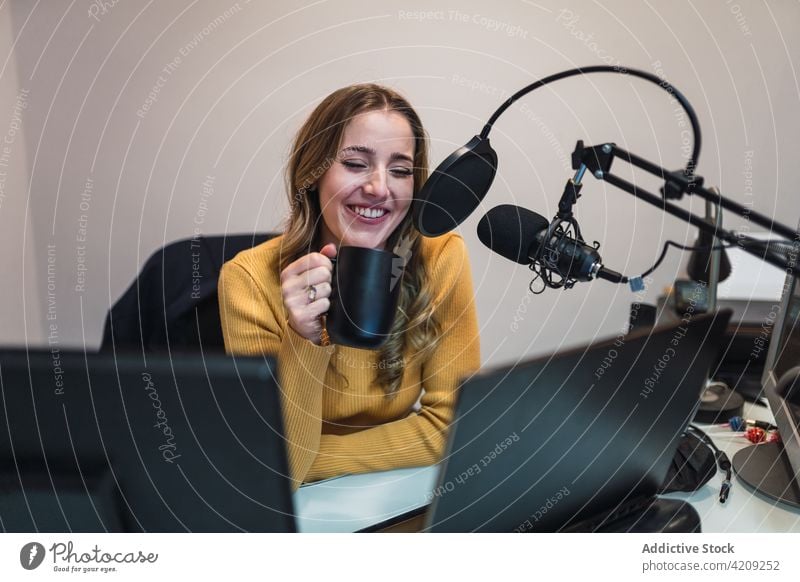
[
  {"x": 420, "y": 438},
  {"x": 251, "y": 326}
]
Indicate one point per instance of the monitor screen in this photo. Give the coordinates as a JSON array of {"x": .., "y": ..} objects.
[
  {"x": 116, "y": 442},
  {"x": 784, "y": 354}
]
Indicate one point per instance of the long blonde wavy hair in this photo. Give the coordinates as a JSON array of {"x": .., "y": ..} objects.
[{"x": 314, "y": 150}]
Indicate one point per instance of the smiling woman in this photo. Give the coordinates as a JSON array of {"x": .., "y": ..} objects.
[
  {"x": 355, "y": 166},
  {"x": 366, "y": 196}
]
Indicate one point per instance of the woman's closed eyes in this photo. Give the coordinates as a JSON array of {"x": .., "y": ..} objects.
[{"x": 399, "y": 171}]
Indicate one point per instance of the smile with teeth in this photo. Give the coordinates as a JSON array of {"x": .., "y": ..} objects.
[{"x": 368, "y": 212}]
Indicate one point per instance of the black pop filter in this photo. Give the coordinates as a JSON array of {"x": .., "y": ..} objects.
[
  {"x": 511, "y": 231},
  {"x": 455, "y": 189}
]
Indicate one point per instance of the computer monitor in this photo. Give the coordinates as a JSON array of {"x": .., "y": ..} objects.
[
  {"x": 579, "y": 440},
  {"x": 141, "y": 442},
  {"x": 774, "y": 468}
]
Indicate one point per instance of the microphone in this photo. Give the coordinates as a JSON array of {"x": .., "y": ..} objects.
[{"x": 527, "y": 238}]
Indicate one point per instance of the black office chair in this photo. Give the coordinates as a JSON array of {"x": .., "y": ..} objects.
[{"x": 173, "y": 302}]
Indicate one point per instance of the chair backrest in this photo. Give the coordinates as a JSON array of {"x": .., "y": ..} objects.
[{"x": 173, "y": 302}]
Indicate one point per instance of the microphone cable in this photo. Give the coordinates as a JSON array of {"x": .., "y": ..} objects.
[{"x": 670, "y": 243}]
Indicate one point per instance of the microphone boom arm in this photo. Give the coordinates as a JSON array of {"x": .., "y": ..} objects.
[{"x": 598, "y": 160}]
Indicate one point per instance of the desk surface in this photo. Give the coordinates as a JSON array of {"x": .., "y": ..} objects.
[
  {"x": 745, "y": 511},
  {"x": 354, "y": 502}
]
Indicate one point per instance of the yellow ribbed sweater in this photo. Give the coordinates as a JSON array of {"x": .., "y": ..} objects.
[{"x": 333, "y": 427}]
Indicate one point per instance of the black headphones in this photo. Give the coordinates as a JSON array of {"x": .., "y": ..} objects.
[
  {"x": 723, "y": 462},
  {"x": 694, "y": 462}
]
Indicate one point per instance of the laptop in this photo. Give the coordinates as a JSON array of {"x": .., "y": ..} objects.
[
  {"x": 145, "y": 442},
  {"x": 575, "y": 438}
]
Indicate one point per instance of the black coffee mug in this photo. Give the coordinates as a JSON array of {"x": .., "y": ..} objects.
[{"x": 365, "y": 291}]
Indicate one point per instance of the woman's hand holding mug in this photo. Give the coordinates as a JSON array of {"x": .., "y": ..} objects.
[{"x": 306, "y": 291}]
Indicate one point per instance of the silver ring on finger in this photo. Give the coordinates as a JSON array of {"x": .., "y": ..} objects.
[{"x": 311, "y": 292}]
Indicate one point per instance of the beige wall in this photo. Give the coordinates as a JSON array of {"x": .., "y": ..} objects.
[
  {"x": 231, "y": 81},
  {"x": 22, "y": 264}
]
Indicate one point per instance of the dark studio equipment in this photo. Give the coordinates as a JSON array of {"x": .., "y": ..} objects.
[
  {"x": 557, "y": 252},
  {"x": 606, "y": 441},
  {"x": 695, "y": 462},
  {"x": 701, "y": 262},
  {"x": 778, "y": 253},
  {"x": 708, "y": 265},
  {"x": 718, "y": 403},
  {"x": 458, "y": 186},
  {"x": 773, "y": 468},
  {"x": 135, "y": 442},
  {"x": 455, "y": 188},
  {"x": 525, "y": 237}
]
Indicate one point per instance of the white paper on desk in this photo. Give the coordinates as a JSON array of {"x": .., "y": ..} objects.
[
  {"x": 353, "y": 502},
  {"x": 751, "y": 278}
]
